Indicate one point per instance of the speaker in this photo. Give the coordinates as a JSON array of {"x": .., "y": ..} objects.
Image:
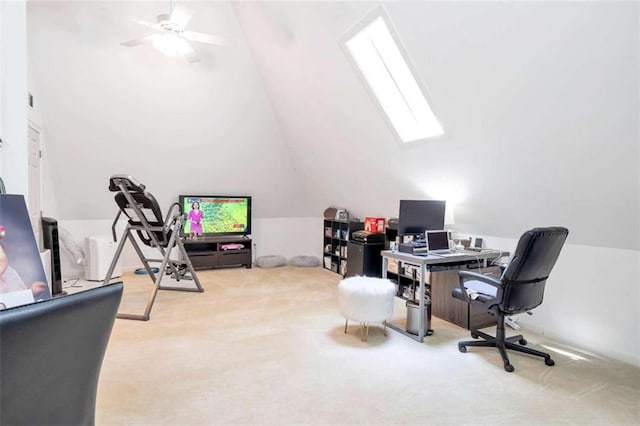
[{"x": 50, "y": 241}]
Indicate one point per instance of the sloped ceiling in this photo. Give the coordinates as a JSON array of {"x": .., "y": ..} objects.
[
  {"x": 539, "y": 102},
  {"x": 204, "y": 128}
]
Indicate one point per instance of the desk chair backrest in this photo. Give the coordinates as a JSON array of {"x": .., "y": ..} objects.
[
  {"x": 51, "y": 354},
  {"x": 525, "y": 277},
  {"x": 136, "y": 203}
]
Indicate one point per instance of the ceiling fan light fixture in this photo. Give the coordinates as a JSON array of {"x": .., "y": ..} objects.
[{"x": 171, "y": 44}]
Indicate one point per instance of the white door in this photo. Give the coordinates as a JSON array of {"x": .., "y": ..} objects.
[{"x": 34, "y": 202}]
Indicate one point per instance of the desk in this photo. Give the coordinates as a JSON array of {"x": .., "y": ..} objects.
[{"x": 433, "y": 263}]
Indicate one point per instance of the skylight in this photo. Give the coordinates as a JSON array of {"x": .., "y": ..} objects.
[{"x": 377, "y": 56}]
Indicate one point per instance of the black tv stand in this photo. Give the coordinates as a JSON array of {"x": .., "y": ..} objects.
[{"x": 214, "y": 252}]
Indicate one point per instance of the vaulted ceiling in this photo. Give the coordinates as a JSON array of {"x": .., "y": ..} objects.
[
  {"x": 178, "y": 127},
  {"x": 540, "y": 128}
]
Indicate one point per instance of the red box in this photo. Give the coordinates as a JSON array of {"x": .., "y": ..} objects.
[{"x": 374, "y": 224}]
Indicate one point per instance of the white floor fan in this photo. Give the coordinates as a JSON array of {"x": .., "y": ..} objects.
[{"x": 170, "y": 36}]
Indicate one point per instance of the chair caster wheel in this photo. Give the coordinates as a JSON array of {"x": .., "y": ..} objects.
[
  {"x": 474, "y": 335},
  {"x": 549, "y": 362},
  {"x": 508, "y": 368},
  {"x": 462, "y": 349},
  {"x": 523, "y": 342}
]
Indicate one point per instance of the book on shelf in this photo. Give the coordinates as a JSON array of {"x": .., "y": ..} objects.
[
  {"x": 343, "y": 267},
  {"x": 327, "y": 262}
]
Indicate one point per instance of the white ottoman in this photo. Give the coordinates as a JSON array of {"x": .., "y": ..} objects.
[{"x": 366, "y": 300}]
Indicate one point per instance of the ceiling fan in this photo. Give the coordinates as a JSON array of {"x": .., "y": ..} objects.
[{"x": 171, "y": 38}]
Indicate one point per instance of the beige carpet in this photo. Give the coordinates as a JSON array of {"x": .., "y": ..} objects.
[{"x": 266, "y": 346}]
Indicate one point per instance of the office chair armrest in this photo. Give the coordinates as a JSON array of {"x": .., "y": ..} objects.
[
  {"x": 468, "y": 275},
  {"x": 488, "y": 279}
]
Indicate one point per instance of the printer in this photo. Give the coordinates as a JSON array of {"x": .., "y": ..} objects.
[
  {"x": 414, "y": 247},
  {"x": 368, "y": 237}
]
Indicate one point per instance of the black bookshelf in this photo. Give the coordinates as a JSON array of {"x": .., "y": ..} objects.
[{"x": 337, "y": 234}]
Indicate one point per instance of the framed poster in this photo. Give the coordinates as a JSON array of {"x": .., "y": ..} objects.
[{"x": 22, "y": 276}]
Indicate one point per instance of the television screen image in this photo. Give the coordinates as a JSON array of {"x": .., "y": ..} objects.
[{"x": 216, "y": 215}]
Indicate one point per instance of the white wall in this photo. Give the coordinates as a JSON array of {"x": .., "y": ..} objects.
[
  {"x": 288, "y": 236},
  {"x": 538, "y": 101},
  {"x": 204, "y": 128},
  {"x": 13, "y": 96}
]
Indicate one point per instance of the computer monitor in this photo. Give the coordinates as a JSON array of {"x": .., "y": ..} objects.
[{"x": 418, "y": 216}]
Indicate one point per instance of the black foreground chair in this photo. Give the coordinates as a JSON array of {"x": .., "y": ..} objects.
[
  {"x": 51, "y": 354},
  {"x": 518, "y": 290}
]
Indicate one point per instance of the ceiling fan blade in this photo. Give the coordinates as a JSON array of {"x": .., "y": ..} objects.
[
  {"x": 148, "y": 24},
  {"x": 138, "y": 41},
  {"x": 205, "y": 38},
  {"x": 180, "y": 16}
]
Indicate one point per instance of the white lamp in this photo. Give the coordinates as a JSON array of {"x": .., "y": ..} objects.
[{"x": 449, "y": 218}]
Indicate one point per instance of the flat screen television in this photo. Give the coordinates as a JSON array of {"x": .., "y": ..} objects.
[
  {"x": 418, "y": 216},
  {"x": 221, "y": 214}
]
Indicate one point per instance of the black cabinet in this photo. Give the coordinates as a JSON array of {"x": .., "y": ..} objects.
[
  {"x": 364, "y": 259},
  {"x": 219, "y": 252},
  {"x": 337, "y": 234}
]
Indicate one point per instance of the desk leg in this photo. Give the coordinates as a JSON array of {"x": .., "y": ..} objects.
[
  {"x": 421, "y": 330},
  {"x": 385, "y": 263}
]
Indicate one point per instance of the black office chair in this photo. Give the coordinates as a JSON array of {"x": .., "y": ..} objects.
[
  {"x": 518, "y": 290},
  {"x": 51, "y": 354}
]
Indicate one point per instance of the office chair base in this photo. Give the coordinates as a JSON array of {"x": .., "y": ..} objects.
[{"x": 515, "y": 343}]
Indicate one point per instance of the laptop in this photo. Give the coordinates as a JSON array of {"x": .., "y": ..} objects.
[{"x": 438, "y": 244}]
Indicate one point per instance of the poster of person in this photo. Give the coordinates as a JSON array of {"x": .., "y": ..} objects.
[{"x": 22, "y": 276}]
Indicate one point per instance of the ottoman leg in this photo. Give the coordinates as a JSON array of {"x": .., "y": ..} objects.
[
  {"x": 364, "y": 331},
  {"x": 384, "y": 329},
  {"x": 346, "y": 322}
]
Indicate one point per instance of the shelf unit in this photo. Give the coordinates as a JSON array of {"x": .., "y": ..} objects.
[
  {"x": 212, "y": 252},
  {"x": 337, "y": 234},
  {"x": 443, "y": 305}
]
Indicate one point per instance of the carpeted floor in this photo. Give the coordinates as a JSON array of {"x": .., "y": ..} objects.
[{"x": 266, "y": 346}]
